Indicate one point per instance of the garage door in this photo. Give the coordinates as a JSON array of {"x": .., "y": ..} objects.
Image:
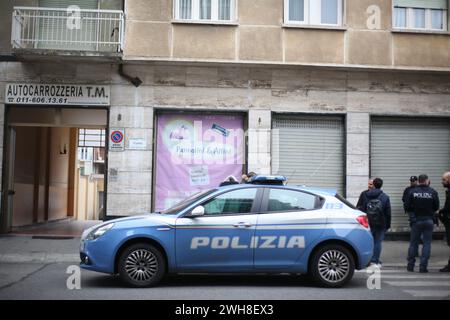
[
  {"x": 401, "y": 148},
  {"x": 309, "y": 150}
]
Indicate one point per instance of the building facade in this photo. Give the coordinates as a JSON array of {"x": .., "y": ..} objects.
[{"x": 325, "y": 92}]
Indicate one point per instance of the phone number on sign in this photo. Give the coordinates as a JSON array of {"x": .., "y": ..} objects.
[{"x": 37, "y": 100}]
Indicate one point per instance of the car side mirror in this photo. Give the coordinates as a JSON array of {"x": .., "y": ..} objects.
[{"x": 197, "y": 211}]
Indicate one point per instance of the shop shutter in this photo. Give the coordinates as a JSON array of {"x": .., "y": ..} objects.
[
  {"x": 428, "y": 4},
  {"x": 309, "y": 150},
  {"x": 401, "y": 148},
  {"x": 56, "y": 29}
]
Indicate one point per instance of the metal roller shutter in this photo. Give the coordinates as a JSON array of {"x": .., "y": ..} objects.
[
  {"x": 401, "y": 148},
  {"x": 53, "y": 26},
  {"x": 309, "y": 150}
]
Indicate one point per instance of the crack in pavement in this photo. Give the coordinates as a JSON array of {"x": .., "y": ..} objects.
[{"x": 9, "y": 285}]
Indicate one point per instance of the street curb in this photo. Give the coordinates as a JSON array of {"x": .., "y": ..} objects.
[{"x": 39, "y": 258}]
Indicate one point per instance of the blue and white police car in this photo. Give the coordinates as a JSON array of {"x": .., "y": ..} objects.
[{"x": 262, "y": 227}]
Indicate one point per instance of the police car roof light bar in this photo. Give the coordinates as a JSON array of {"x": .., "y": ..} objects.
[{"x": 271, "y": 180}]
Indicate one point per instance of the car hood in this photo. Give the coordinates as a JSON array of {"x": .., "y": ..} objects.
[{"x": 145, "y": 220}]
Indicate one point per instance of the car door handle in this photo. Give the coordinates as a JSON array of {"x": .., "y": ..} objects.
[{"x": 242, "y": 225}]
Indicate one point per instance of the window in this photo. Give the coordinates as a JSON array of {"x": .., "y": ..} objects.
[
  {"x": 205, "y": 10},
  {"x": 233, "y": 202},
  {"x": 420, "y": 15},
  {"x": 290, "y": 200},
  {"x": 91, "y": 137},
  {"x": 313, "y": 12}
]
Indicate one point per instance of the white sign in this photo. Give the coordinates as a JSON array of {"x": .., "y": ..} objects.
[
  {"x": 137, "y": 143},
  {"x": 57, "y": 94},
  {"x": 116, "y": 140}
]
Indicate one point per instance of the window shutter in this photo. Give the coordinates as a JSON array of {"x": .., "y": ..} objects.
[
  {"x": 427, "y": 4},
  {"x": 83, "y": 4}
]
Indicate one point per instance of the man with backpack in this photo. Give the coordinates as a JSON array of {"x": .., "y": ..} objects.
[
  {"x": 378, "y": 209},
  {"x": 421, "y": 203}
]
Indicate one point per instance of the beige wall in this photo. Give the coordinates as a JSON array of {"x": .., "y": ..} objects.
[
  {"x": 29, "y": 151},
  {"x": 24, "y": 172},
  {"x": 259, "y": 35},
  {"x": 59, "y": 173}
]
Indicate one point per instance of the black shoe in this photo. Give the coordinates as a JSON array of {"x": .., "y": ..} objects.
[
  {"x": 423, "y": 271},
  {"x": 445, "y": 269},
  {"x": 410, "y": 269}
]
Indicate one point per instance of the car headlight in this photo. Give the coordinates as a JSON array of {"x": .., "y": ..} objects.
[{"x": 94, "y": 234}]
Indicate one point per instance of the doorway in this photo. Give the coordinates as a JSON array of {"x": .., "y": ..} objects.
[{"x": 55, "y": 165}]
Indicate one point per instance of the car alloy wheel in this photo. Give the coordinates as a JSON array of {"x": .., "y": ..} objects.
[
  {"x": 332, "y": 265},
  {"x": 141, "y": 265}
]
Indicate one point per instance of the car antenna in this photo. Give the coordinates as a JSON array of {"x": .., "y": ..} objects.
[{"x": 292, "y": 174}]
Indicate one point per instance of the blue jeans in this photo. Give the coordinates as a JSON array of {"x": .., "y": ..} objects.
[
  {"x": 424, "y": 229},
  {"x": 378, "y": 237}
]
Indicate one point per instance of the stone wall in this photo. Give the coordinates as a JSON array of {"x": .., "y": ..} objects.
[{"x": 259, "y": 91}]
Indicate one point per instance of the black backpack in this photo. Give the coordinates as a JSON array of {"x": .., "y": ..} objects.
[{"x": 375, "y": 213}]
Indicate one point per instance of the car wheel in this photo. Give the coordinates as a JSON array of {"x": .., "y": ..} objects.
[
  {"x": 332, "y": 266},
  {"x": 141, "y": 265}
]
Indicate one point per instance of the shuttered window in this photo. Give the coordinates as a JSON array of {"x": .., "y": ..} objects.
[
  {"x": 309, "y": 150},
  {"x": 54, "y": 27},
  {"x": 428, "y": 4},
  {"x": 401, "y": 148},
  {"x": 420, "y": 14}
]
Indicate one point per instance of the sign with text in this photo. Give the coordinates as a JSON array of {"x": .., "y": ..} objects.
[
  {"x": 116, "y": 140},
  {"x": 196, "y": 152},
  {"x": 57, "y": 94}
]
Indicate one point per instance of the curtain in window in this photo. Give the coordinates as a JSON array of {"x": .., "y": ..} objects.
[
  {"x": 224, "y": 9},
  {"x": 205, "y": 9},
  {"x": 419, "y": 18},
  {"x": 400, "y": 17},
  {"x": 329, "y": 11},
  {"x": 437, "y": 21},
  {"x": 296, "y": 10},
  {"x": 185, "y": 9}
]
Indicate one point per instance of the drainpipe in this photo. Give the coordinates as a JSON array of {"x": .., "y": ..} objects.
[{"x": 135, "y": 81}]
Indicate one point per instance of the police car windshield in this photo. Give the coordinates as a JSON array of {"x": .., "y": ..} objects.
[{"x": 186, "y": 202}]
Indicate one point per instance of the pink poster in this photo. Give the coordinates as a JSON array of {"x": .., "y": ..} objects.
[{"x": 195, "y": 153}]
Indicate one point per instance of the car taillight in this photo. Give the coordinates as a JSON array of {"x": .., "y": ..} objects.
[{"x": 363, "y": 221}]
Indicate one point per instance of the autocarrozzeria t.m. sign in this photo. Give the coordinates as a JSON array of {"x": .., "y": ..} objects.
[{"x": 57, "y": 94}]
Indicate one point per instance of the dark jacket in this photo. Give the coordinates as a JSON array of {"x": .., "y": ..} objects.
[
  {"x": 405, "y": 196},
  {"x": 385, "y": 201},
  {"x": 445, "y": 211},
  {"x": 422, "y": 202},
  {"x": 360, "y": 205}
]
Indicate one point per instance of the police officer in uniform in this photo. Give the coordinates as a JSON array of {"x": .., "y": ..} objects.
[
  {"x": 422, "y": 203},
  {"x": 412, "y": 185},
  {"x": 444, "y": 214}
]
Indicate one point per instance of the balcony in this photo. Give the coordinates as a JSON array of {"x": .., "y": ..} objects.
[{"x": 70, "y": 31}]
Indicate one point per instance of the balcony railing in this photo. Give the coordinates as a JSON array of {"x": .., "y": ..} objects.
[{"x": 67, "y": 29}]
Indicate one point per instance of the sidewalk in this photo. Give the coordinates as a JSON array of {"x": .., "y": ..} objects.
[{"x": 25, "y": 249}]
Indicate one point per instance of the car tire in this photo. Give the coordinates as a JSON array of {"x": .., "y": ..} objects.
[
  {"x": 332, "y": 266},
  {"x": 141, "y": 265}
]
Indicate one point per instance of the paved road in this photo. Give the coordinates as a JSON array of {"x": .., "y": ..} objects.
[
  {"x": 48, "y": 281},
  {"x": 37, "y": 269}
]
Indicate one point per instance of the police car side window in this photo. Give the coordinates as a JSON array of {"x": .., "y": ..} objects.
[
  {"x": 290, "y": 200},
  {"x": 237, "y": 201}
]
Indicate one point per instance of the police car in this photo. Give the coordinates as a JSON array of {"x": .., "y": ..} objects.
[{"x": 262, "y": 227}]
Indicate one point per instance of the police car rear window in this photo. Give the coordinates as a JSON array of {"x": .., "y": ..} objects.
[{"x": 345, "y": 201}]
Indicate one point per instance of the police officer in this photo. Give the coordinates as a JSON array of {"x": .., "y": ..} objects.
[
  {"x": 421, "y": 204},
  {"x": 444, "y": 214},
  {"x": 412, "y": 185}
]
